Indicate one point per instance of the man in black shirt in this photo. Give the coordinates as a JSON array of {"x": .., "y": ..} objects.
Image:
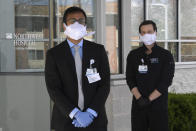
[{"x": 149, "y": 73}]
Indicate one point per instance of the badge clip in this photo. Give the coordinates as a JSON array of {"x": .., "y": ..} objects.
[
  {"x": 142, "y": 60},
  {"x": 92, "y": 61}
]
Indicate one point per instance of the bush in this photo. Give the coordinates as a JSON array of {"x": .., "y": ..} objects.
[{"x": 182, "y": 112}]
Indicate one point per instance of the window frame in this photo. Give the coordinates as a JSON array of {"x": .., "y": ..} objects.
[{"x": 178, "y": 41}]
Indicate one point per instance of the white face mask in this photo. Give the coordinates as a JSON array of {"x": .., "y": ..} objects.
[
  {"x": 75, "y": 31},
  {"x": 148, "y": 39}
]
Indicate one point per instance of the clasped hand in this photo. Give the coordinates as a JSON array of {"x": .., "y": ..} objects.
[{"x": 82, "y": 119}]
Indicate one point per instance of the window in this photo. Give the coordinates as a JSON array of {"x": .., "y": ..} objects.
[
  {"x": 40, "y": 54},
  {"x": 27, "y": 30},
  {"x": 36, "y": 25},
  {"x": 35, "y": 54},
  {"x": 188, "y": 30},
  {"x": 31, "y": 54},
  {"x": 111, "y": 28},
  {"x": 35, "y": 59},
  {"x": 61, "y": 5},
  {"x": 176, "y": 32},
  {"x": 112, "y": 34},
  {"x": 137, "y": 16},
  {"x": 164, "y": 14}
]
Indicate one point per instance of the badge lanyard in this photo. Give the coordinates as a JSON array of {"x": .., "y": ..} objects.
[
  {"x": 92, "y": 61},
  {"x": 142, "y": 60}
]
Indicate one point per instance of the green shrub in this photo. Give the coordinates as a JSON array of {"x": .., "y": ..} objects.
[{"x": 182, "y": 112}]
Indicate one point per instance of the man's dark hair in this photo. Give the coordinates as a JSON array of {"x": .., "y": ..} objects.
[
  {"x": 148, "y": 22},
  {"x": 73, "y": 9}
]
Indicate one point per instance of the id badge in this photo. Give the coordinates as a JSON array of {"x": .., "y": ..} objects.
[
  {"x": 93, "y": 77},
  {"x": 143, "y": 68},
  {"x": 89, "y": 71}
]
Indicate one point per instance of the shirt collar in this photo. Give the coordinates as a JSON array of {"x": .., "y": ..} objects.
[{"x": 72, "y": 44}]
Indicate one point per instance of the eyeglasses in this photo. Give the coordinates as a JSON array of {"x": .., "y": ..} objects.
[{"x": 82, "y": 21}]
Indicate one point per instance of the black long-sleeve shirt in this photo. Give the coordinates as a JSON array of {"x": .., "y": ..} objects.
[{"x": 159, "y": 75}]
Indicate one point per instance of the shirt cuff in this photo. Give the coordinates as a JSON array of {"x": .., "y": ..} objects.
[
  {"x": 94, "y": 113},
  {"x": 73, "y": 112}
]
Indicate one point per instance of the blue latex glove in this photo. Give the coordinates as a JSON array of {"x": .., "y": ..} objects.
[
  {"x": 84, "y": 118},
  {"x": 76, "y": 123}
]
